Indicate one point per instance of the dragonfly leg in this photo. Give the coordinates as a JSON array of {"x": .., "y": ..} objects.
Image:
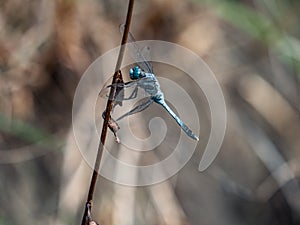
[
  {"x": 129, "y": 83},
  {"x": 133, "y": 94},
  {"x": 120, "y": 91},
  {"x": 122, "y": 85},
  {"x": 138, "y": 108}
]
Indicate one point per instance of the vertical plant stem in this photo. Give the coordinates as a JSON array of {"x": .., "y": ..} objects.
[{"x": 116, "y": 78}]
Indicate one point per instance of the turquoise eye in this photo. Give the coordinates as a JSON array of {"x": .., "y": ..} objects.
[
  {"x": 131, "y": 73},
  {"x": 135, "y": 73}
]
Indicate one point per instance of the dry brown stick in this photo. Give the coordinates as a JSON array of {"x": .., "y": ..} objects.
[{"x": 116, "y": 78}]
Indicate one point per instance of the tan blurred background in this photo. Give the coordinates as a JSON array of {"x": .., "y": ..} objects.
[{"x": 253, "y": 48}]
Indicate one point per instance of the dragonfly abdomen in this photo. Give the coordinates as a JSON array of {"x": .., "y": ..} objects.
[{"x": 160, "y": 100}]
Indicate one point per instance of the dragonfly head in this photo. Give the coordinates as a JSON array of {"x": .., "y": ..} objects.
[{"x": 135, "y": 73}]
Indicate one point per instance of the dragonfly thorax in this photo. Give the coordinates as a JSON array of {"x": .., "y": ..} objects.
[{"x": 136, "y": 73}]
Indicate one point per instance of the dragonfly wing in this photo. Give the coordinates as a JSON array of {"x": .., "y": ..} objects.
[
  {"x": 146, "y": 54},
  {"x": 137, "y": 54},
  {"x": 120, "y": 87},
  {"x": 104, "y": 93},
  {"x": 138, "y": 108}
]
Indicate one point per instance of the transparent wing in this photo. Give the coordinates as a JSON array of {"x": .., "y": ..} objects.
[
  {"x": 138, "y": 108},
  {"x": 128, "y": 90},
  {"x": 104, "y": 93},
  {"x": 120, "y": 95},
  {"x": 139, "y": 55}
]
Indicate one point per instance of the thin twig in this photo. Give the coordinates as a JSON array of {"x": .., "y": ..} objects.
[{"x": 110, "y": 102}]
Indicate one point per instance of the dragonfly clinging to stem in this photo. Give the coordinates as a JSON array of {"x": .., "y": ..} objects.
[{"x": 142, "y": 76}]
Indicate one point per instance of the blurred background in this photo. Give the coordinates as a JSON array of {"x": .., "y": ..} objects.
[{"x": 253, "y": 48}]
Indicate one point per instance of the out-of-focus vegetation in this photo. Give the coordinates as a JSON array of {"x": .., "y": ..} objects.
[
  {"x": 253, "y": 48},
  {"x": 274, "y": 23}
]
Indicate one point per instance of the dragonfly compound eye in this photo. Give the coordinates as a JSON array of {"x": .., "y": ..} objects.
[
  {"x": 131, "y": 74},
  {"x": 135, "y": 73}
]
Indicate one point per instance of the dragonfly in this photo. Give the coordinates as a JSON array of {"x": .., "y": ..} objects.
[{"x": 143, "y": 77}]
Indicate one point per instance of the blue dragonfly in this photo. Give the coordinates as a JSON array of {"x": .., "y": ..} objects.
[{"x": 142, "y": 77}]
